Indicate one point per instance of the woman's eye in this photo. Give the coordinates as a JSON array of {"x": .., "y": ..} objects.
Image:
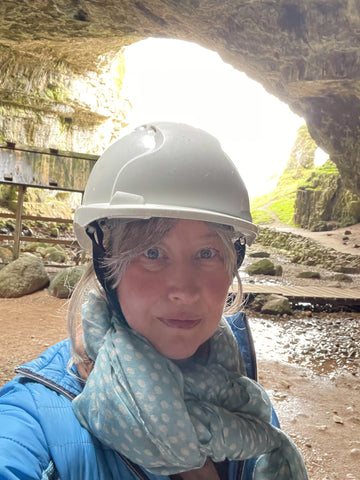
[
  {"x": 206, "y": 253},
  {"x": 153, "y": 253}
]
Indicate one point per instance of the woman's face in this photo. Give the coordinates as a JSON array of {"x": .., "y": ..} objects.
[{"x": 174, "y": 293}]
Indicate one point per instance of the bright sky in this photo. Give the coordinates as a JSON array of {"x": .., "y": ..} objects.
[{"x": 179, "y": 81}]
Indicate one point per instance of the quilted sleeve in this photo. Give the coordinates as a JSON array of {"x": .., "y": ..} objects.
[{"x": 24, "y": 454}]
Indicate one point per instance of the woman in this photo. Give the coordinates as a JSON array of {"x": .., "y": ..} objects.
[{"x": 157, "y": 381}]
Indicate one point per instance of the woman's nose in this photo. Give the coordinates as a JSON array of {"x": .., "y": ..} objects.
[{"x": 183, "y": 285}]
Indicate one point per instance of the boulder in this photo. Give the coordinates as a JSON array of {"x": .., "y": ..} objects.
[
  {"x": 54, "y": 232},
  {"x": 30, "y": 247},
  {"x": 277, "y": 305},
  {"x": 64, "y": 283},
  {"x": 278, "y": 271},
  {"x": 262, "y": 267},
  {"x": 6, "y": 255},
  {"x": 341, "y": 277},
  {"x": 259, "y": 301},
  {"x": 259, "y": 254},
  {"x": 25, "y": 275},
  {"x": 54, "y": 254},
  {"x": 308, "y": 274}
]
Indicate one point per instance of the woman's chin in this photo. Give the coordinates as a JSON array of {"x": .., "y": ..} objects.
[
  {"x": 181, "y": 352},
  {"x": 178, "y": 355}
]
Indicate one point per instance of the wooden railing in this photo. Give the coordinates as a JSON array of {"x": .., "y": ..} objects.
[
  {"x": 46, "y": 168},
  {"x": 17, "y": 237}
]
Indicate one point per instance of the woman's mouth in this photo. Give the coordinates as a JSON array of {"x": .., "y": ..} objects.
[{"x": 184, "y": 323}]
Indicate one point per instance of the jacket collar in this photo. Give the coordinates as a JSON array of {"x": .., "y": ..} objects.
[{"x": 51, "y": 369}]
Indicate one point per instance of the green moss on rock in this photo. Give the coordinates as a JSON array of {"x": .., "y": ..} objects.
[
  {"x": 262, "y": 267},
  {"x": 323, "y": 202},
  {"x": 64, "y": 283},
  {"x": 23, "y": 276}
]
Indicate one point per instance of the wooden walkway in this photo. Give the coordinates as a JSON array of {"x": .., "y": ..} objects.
[
  {"x": 304, "y": 292},
  {"x": 311, "y": 294}
]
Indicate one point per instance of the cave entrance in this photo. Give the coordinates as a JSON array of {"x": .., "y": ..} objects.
[{"x": 174, "y": 80}]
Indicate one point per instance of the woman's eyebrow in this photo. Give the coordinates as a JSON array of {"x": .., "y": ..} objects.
[{"x": 210, "y": 235}]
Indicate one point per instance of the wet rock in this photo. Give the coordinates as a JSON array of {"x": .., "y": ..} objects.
[
  {"x": 276, "y": 305},
  {"x": 346, "y": 269},
  {"x": 25, "y": 275},
  {"x": 278, "y": 271},
  {"x": 341, "y": 277},
  {"x": 259, "y": 254},
  {"x": 27, "y": 232},
  {"x": 308, "y": 274},
  {"x": 338, "y": 419},
  {"x": 262, "y": 267},
  {"x": 355, "y": 452},
  {"x": 280, "y": 396},
  {"x": 64, "y": 283},
  {"x": 259, "y": 301}
]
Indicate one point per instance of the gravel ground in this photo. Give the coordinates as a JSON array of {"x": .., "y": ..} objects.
[{"x": 324, "y": 343}]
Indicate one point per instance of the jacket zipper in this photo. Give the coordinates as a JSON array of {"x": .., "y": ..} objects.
[{"x": 25, "y": 372}]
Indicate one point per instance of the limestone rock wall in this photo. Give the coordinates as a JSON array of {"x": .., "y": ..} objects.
[
  {"x": 45, "y": 103},
  {"x": 322, "y": 200},
  {"x": 306, "y": 52},
  {"x": 324, "y": 203}
]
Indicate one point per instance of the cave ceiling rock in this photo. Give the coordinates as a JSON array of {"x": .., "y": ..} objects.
[{"x": 305, "y": 52}]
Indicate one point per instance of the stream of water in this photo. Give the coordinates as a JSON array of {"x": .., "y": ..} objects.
[{"x": 324, "y": 342}]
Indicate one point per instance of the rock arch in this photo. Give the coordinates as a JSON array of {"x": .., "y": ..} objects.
[{"x": 305, "y": 52}]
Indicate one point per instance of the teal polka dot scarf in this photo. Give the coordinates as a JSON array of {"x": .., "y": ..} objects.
[{"x": 169, "y": 416}]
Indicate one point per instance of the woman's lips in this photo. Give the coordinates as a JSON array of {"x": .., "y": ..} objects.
[{"x": 185, "y": 323}]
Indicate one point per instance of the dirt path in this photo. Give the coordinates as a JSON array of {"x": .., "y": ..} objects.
[
  {"x": 28, "y": 325},
  {"x": 320, "y": 412}
]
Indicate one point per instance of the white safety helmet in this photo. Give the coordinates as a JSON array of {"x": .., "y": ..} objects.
[{"x": 165, "y": 169}]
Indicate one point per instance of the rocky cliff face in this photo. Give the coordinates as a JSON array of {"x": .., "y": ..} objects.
[
  {"x": 322, "y": 200},
  {"x": 324, "y": 203},
  {"x": 46, "y": 103},
  {"x": 306, "y": 52}
]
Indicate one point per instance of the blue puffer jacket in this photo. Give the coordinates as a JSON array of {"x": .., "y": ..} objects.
[{"x": 40, "y": 438}]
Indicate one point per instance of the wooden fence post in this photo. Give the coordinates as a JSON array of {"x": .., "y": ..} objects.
[{"x": 18, "y": 221}]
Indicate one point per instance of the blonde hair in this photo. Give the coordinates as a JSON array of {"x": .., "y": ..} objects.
[{"x": 123, "y": 241}]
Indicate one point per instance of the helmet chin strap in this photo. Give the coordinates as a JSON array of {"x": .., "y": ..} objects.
[
  {"x": 96, "y": 235},
  {"x": 240, "y": 248}
]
